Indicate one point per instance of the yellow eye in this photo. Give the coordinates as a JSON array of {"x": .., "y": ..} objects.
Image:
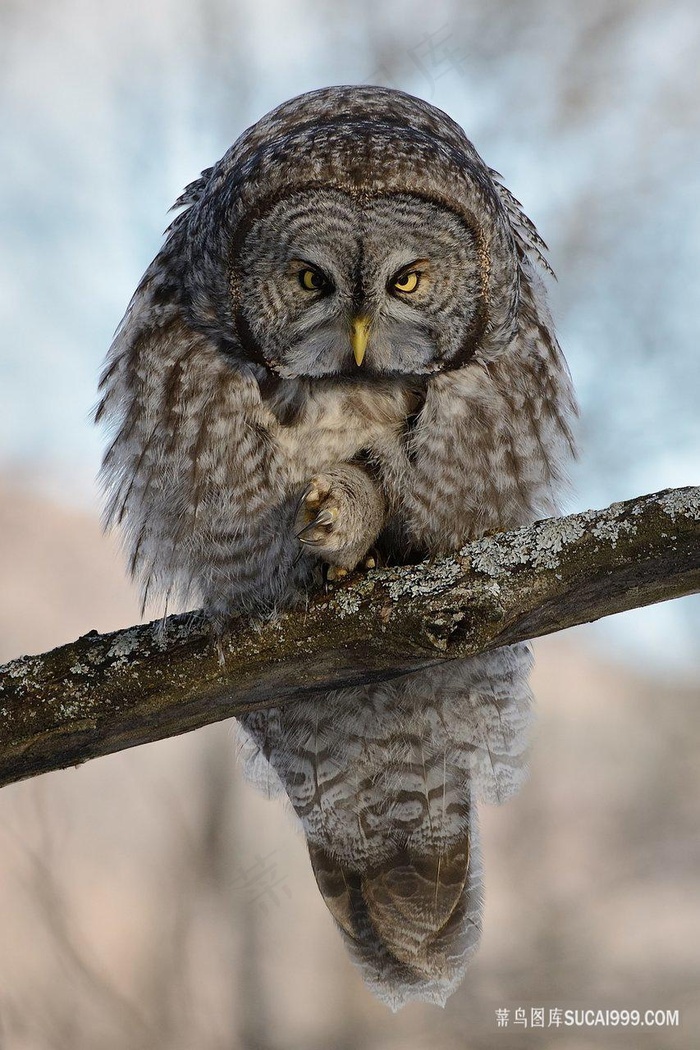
[
  {"x": 312, "y": 280},
  {"x": 407, "y": 282}
]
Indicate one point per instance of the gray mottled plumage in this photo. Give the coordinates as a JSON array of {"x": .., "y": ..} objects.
[{"x": 248, "y": 448}]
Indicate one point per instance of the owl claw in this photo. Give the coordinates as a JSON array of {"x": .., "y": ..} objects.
[
  {"x": 310, "y": 503},
  {"x": 300, "y": 502},
  {"x": 316, "y": 492},
  {"x": 305, "y": 495},
  {"x": 317, "y": 514},
  {"x": 322, "y": 519},
  {"x": 326, "y": 517},
  {"x": 330, "y": 514}
]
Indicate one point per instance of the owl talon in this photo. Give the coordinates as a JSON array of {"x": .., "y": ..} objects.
[
  {"x": 326, "y": 517},
  {"x": 339, "y": 515},
  {"x": 315, "y": 519},
  {"x": 316, "y": 492},
  {"x": 321, "y": 521},
  {"x": 302, "y": 500},
  {"x": 311, "y": 496}
]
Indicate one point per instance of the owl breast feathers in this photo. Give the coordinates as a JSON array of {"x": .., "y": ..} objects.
[{"x": 343, "y": 349}]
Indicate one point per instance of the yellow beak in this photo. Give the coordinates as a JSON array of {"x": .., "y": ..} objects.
[{"x": 360, "y": 335}]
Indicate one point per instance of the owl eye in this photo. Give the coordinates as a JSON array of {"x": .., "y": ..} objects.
[
  {"x": 313, "y": 280},
  {"x": 407, "y": 280}
]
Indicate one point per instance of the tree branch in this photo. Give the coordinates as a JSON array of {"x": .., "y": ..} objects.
[{"x": 104, "y": 693}]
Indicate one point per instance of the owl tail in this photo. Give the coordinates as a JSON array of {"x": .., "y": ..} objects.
[
  {"x": 410, "y": 922},
  {"x": 385, "y": 780}
]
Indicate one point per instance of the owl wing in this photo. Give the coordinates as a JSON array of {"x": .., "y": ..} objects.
[
  {"x": 505, "y": 419},
  {"x": 528, "y": 239},
  {"x": 192, "y": 473}
]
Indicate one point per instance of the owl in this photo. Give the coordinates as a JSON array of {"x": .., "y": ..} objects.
[{"x": 343, "y": 352}]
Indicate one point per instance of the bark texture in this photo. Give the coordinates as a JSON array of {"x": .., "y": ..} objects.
[{"x": 103, "y": 693}]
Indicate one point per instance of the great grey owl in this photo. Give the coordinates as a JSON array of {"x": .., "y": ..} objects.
[{"x": 343, "y": 347}]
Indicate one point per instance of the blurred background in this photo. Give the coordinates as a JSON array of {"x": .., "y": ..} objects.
[{"x": 151, "y": 899}]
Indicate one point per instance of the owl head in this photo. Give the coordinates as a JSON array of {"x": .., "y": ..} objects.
[{"x": 351, "y": 232}]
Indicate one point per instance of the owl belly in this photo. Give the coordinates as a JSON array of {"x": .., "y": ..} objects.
[{"x": 336, "y": 424}]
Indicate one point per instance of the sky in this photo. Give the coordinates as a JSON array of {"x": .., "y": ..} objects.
[{"x": 591, "y": 113}]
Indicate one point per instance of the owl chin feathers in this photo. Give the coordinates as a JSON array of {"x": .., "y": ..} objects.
[{"x": 404, "y": 353}]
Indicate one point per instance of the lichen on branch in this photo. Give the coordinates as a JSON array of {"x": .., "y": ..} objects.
[{"x": 103, "y": 693}]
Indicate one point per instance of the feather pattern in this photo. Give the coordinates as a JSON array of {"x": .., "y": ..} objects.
[{"x": 247, "y": 448}]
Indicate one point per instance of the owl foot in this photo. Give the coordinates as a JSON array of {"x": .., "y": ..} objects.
[
  {"x": 318, "y": 512},
  {"x": 338, "y": 517}
]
